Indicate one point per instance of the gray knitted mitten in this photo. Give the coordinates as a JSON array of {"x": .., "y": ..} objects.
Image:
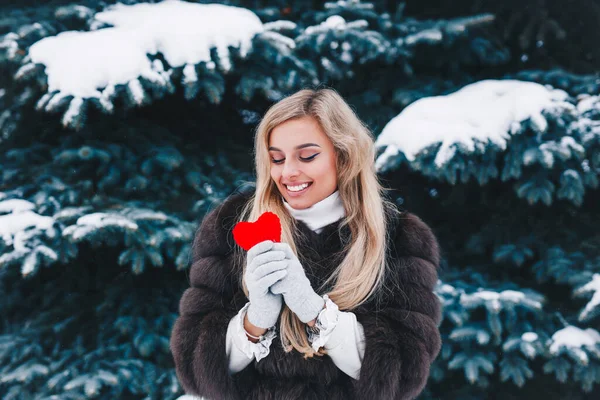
[
  {"x": 265, "y": 266},
  {"x": 296, "y": 289}
]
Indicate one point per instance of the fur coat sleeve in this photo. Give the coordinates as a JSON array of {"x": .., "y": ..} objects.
[
  {"x": 401, "y": 331},
  {"x": 206, "y": 308}
]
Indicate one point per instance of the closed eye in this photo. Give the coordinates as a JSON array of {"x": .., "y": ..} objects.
[{"x": 308, "y": 159}]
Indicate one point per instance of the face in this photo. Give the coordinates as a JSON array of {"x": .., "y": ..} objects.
[{"x": 302, "y": 153}]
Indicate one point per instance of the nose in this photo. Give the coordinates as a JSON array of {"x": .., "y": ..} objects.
[{"x": 290, "y": 170}]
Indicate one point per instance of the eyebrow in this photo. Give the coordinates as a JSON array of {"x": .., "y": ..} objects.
[{"x": 300, "y": 146}]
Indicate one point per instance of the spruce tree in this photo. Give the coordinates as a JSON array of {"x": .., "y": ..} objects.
[{"x": 117, "y": 136}]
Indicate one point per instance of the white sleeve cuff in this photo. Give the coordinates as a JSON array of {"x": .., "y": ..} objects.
[
  {"x": 326, "y": 322},
  {"x": 342, "y": 336},
  {"x": 258, "y": 350}
]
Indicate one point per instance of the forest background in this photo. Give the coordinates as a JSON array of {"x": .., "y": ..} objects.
[{"x": 121, "y": 125}]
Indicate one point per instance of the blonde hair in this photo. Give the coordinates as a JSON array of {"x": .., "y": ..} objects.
[{"x": 361, "y": 272}]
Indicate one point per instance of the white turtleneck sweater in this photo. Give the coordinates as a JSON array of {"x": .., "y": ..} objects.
[
  {"x": 340, "y": 333},
  {"x": 320, "y": 214}
]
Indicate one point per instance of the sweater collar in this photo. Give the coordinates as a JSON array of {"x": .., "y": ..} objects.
[{"x": 320, "y": 214}]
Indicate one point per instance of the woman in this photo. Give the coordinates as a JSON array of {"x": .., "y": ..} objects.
[{"x": 348, "y": 291}]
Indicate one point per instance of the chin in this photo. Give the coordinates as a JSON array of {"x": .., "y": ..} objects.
[{"x": 299, "y": 204}]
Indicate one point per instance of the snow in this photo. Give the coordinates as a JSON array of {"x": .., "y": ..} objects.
[
  {"x": 346, "y": 57},
  {"x": 511, "y": 295},
  {"x": 588, "y": 103},
  {"x": 594, "y": 287},
  {"x": 24, "y": 71},
  {"x": 566, "y": 148},
  {"x": 79, "y": 11},
  {"x": 81, "y": 63},
  {"x": 55, "y": 100},
  {"x": 189, "y": 74},
  {"x": 573, "y": 337},
  {"x": 590, "y": 128},
  {"x": 332, "y": 22},
  {"x": 585, "y": 165},
  {"x": 94, "y": 221},
  {"x": 99, "y": 220},
  {"x": 495, "y": 301},
  {"x": 11, "y": 224},
  {"x": 529, "y": 336},
  {"x": 428, "y": 35},
  {"x": 447, "y": 289},
  {"x": 570, "y": 145},
  {"x": 15, "y": 205},
  {"x": 279, "y": 25},
  {"x": 485, "y": 111},
  {"x": 73, "y": 111},
  {"x": 135, "y": 87},
  {"x": 278, "y": 39}
]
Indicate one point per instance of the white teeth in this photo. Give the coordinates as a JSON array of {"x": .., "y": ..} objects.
[{"x": 297, "y": 188}]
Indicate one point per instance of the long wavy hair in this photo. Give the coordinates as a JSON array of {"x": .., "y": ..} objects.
[{"x": 361, "y": 273}]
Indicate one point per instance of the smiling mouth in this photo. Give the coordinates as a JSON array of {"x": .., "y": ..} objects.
[{"x": 298, "y": 192}]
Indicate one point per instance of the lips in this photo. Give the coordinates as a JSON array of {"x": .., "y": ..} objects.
[
  {"x": 294, "y": 194},
  {"x": 296, "y": 184}
]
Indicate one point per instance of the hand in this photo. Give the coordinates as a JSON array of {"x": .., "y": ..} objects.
[
  {"x": 264, "y": 267},
  {"x": 296, "y": 289}
]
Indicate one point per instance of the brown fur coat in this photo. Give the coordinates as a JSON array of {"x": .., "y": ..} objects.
[{"x": 400, "y": 323}]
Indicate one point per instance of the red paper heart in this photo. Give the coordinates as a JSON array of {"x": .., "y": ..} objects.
[{"x": 266, "y": 227}]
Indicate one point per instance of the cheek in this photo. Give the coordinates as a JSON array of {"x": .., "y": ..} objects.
[
  {"x": 328, "y": 168},
  {"x": 321, "y": 171},
  {"x": 275, "y": 174}
]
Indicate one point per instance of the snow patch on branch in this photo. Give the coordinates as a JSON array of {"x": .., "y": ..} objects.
[
  {"x": 15, "y": 205},
  {"x": 483, "y": 112},
  {"x": 572, "y": 337},
  {"x": 15, "y": 222},
  {"x": 592, "y": 287},
  {"x": 82, "y": 63}
]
